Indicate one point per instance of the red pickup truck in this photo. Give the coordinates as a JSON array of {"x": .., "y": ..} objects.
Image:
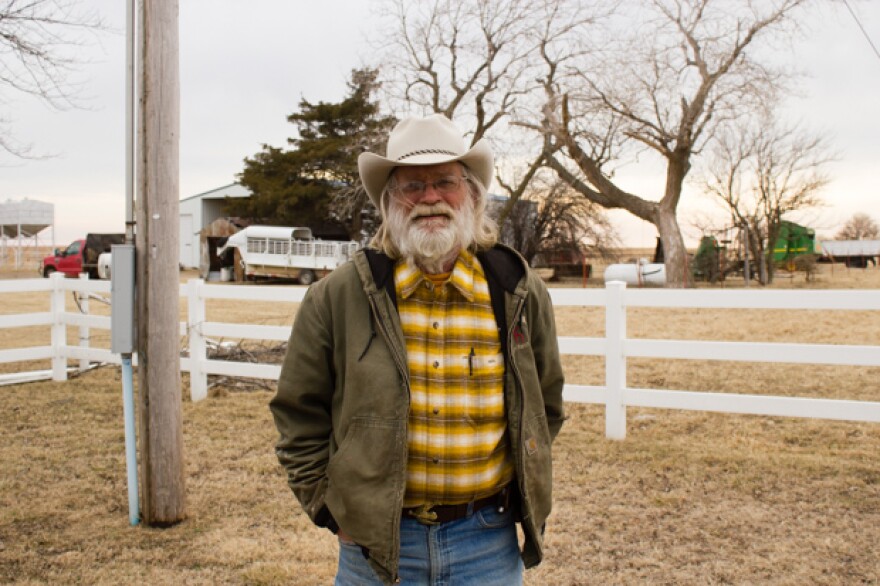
[{"x": 80, "y": 256}]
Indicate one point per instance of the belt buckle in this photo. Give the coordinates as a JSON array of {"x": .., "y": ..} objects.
[{"x": 424, "y": 515}]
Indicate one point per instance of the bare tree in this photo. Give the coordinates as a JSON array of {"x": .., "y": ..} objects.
[
  {"x": 761, "y": 173},
  {"x": 687, "y": 71},
  {"x": 37, "y": 42},
  {"x": 860, "y": 226},
  {"x": 552, "y": 216},
  {"x": 663, "y": 77},
  {"x": 480, "y": 61}
]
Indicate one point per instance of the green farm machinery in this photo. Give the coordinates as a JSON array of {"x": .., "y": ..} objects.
[
  {"x": 714, "y": 260},
  {"x": 794, "y": 240}
]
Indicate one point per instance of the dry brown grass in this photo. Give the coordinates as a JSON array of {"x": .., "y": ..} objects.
[{"x": 687, "y": 498}]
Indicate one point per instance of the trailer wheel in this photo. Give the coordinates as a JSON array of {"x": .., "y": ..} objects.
[{"x": 306, "y": 277}]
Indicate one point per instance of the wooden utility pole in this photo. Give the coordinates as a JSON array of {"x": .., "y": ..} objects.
[{"x": 157, "y": 238}]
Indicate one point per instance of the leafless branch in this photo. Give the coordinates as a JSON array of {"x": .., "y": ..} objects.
[{"x": 38, "y": 44}]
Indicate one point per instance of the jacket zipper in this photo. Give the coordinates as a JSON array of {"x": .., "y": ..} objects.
[
  {"x": 401, "y": 363},
  {"x": 517, "y": 316},
  {"x": 524, "y": 501},
  {"x": 404, "y": 372}
]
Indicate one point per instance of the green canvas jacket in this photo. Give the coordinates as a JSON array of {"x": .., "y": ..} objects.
[{"x": 343, "y": 400}]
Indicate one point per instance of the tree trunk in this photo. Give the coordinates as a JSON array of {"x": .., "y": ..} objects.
[
  {"x": 758, "y": 254},
  {"x": 678, "y": 272},
  {"x": 762, "y": 266},
  {"x": 771, "y": 267},
  {"x": 770, "y": 249},
  {"x": 357, "y": 223}
]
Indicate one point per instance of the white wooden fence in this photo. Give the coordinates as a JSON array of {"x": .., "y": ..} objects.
[{"x": 615, "y": 346}]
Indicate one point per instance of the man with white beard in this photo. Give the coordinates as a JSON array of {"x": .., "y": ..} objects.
[{"x": 422, "y": 386}]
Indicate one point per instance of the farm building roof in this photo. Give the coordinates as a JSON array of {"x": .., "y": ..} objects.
[{"x": 850, "y": 247}]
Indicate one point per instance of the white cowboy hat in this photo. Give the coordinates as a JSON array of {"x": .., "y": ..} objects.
[{"x": 424, "y": 141}]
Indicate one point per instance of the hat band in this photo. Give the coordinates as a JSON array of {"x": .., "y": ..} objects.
[{"x": 427, "y": 152}]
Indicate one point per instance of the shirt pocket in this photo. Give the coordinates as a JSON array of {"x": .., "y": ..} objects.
[{"x": 484, "y": 396}]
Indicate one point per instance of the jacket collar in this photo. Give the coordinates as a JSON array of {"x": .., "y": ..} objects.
[{"x": 502, "y": 265}]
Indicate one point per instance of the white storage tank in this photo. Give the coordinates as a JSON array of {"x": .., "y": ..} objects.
[
  {"x": 26, "y": 217},
  {"x": 21, "y": 222},
  {"x": 638, "y": 274}
]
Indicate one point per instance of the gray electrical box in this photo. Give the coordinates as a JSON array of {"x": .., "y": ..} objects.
[{"x": 122, "y": 309}]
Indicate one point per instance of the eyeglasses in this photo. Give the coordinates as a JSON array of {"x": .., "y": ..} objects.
[{"x": 444, "y": 186}]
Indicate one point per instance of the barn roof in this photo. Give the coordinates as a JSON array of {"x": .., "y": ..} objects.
[
  {"x": 231, "y": 190},
  {"x": 850, "y": 247}
]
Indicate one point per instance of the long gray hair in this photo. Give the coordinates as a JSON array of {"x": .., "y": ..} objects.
[{"x": 485, "y": 228}]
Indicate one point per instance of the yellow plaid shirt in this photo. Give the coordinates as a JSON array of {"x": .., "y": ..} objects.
[{"x": 458, "y": 448}]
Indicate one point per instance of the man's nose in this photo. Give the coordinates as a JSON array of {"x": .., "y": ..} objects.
[{"x": 431, "y": 195}]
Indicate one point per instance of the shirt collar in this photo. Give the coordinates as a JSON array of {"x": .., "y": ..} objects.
[{"x": 408, "y": 277}]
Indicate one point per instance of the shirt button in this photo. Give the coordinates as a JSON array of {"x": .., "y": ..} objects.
[
  {"x": 436, "y": 364},
  {"x": 436, "y": 410},
  {"x": 435, "y": 459},
  {"x": 436, "y": 325}
]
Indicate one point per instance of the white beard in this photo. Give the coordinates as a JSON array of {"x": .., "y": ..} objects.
[{"x": 431, "y": 246}]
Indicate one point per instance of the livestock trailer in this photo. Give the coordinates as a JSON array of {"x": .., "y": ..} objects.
[{"x": 285, "y": 253}]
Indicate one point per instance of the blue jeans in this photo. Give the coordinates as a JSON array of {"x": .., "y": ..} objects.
[{"x": 479, "y": 549}]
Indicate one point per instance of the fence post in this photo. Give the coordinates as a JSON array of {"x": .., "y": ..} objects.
[
  {"x": 59, "y": 330},
  {"x": 615, "y": 361},
  {"x": 198, "y": 375},
  {"x": 84, "y": 329}
]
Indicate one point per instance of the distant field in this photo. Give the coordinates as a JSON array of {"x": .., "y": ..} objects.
[{"x": 687, "y": 498}]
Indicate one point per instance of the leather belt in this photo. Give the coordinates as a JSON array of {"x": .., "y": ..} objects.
[{"x": 436, "y": 514}]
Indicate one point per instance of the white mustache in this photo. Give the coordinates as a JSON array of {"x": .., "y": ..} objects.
[{"x": 437, "y": 209}]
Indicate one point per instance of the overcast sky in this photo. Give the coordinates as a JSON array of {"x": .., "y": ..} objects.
[{"x": 246, "y": 65}]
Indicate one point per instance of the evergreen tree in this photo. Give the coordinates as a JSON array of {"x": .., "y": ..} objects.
[{"x": 316, "y": 182}]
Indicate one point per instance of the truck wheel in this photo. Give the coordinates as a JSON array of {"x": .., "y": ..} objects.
[
  {"x": 306, "y": 277},
  {"x": 48, "y": 271}
]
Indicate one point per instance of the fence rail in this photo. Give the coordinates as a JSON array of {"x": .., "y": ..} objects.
[{"x": 615, "y": 347}]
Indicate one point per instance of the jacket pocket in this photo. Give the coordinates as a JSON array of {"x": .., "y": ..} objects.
[
  {"x": 362, "y": 490},
  {"x": 538, "y": 467}
]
